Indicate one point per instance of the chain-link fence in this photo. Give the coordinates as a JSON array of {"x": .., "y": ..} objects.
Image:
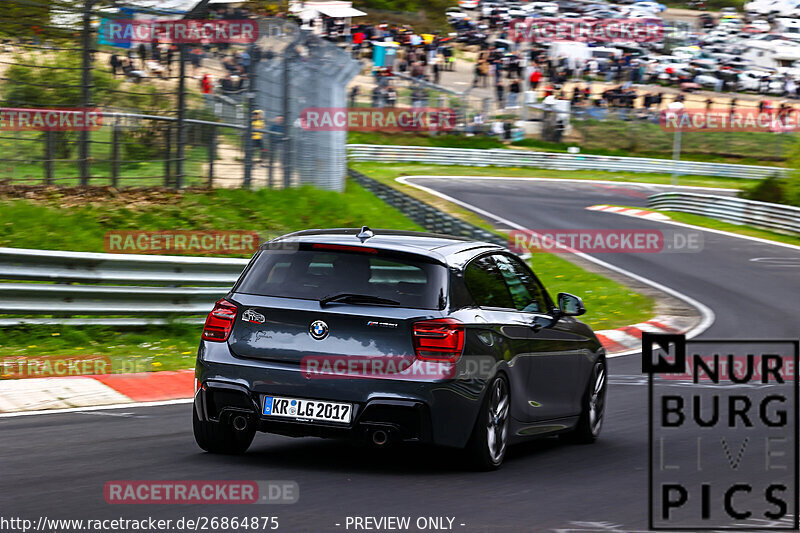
[
  {"x": 206, "y": 113},
  {"x": 302, "y": 71},
  {"x": 612, "y": 130},
  {"x": 165, "y": 111}
]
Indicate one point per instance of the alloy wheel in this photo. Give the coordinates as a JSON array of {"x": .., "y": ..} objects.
[{"x": 497, "y": 423}]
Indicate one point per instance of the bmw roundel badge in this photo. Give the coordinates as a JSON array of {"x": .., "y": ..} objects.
[{"x": 318, "y": 329}]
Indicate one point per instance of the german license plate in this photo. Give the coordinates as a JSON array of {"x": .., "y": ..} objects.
[{"x": 307, "y": 409}]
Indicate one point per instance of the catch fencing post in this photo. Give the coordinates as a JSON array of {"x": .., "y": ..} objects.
[
  {"x": 250, "y": 97},
  {"x": 86, "y": 89},
  {"x": 115, "y": 153},
  {"x": 285, "y": 140},
  {"x": 181, "y": 126},
  {"x": 48, "y": 157},
  {"x": 196, "y": 12},
  {"x": 212, "y": 154},
  {"x": 168, "y": 155}
]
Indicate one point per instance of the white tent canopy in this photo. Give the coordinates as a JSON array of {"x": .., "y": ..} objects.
[
  {"x": 180, "y": 6},
  {"x": 340, "y": 12},
  {"x": 334, "y": 9}
]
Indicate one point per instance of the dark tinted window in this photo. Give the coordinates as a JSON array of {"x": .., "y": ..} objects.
[
  {"x": 526, "y": 293},
  {"x": 314, "y": 275},
  {"x": 485, "y": 283}
]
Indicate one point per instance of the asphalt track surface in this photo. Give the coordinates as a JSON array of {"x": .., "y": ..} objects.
[{"x": 56, "y": 465}]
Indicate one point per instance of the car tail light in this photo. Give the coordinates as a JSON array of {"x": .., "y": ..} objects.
[
  {"x": 220, "y": 321},
  {"x": 441, "y": 339}
]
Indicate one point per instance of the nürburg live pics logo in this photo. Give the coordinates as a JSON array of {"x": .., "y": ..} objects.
[{"x": 723, "y": 428}]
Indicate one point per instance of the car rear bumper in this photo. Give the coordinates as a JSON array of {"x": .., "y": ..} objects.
[{"x": 441, "y": 412}]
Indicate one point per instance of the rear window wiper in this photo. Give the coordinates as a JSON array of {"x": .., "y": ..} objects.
[{"x": 356, "y": 299}]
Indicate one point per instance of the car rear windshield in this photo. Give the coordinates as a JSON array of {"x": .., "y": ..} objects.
[{"x": 311, "y": 274}]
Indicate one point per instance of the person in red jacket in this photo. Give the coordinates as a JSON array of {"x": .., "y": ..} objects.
[
  {"x": 536, "y": 77},
  {"x": 205, "y": 87}
]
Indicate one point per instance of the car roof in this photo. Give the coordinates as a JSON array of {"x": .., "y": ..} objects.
[{"x": 434, "y": 245}]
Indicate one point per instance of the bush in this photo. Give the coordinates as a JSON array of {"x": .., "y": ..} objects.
[
  {"x": 145, "y": 144},
  {"x": 771, "y": 189},
  {"x": 790, "y": 187},
  {"x": 199, "y": 134},
  {"x": 27, "y": 84}
]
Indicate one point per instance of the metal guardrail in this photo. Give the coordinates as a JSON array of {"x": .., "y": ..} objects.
[
  {"x": 425, "y": 215},
  {"x": 22, "y": 264},
  {"x": 109, "y": 285},
  {"x": 552, "y": 160},
  {"x": 735, "y": 210}
]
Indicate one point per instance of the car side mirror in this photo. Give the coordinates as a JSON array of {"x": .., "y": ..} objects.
[{"x": 570, "y": 305}]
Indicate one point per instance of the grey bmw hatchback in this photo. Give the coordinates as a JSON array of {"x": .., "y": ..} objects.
[{"x": 394, "y": 336}]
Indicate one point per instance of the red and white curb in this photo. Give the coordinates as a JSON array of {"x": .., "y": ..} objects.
[
  {"x": 40, "y": 394},
  {"x": 76, "y": 393},
  {"x": 628, "y": 339},
  {"x": 629, "y": 211}
]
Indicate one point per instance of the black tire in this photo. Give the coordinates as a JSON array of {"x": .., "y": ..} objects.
[
  {"x": 215, "y": 437},
  {"x": 489, "y": 441},
  {"x": 587, "y": 430}
]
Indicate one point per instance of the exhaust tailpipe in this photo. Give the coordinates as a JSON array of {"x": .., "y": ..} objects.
[
  {"x": 239, "y": 422},
  {"x": 380, "y": 437}
]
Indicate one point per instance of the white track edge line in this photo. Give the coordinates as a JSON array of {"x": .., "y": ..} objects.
[{"x": 96, "y": 408}]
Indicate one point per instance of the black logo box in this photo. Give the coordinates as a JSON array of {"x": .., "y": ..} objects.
[{"x": 650, "y": 367}]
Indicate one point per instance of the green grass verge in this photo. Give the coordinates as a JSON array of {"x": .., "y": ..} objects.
[
  {"x": 60, "y": 220},
  {"x": 146, "y": 349},
  {"x": 64, "y": 220}
]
